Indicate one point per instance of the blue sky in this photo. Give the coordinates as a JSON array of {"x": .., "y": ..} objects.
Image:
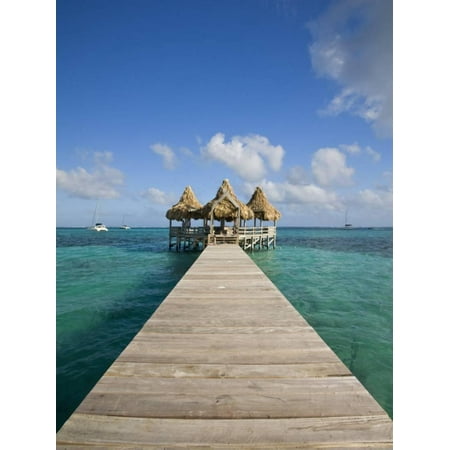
[{"x": 292, "y": 96}]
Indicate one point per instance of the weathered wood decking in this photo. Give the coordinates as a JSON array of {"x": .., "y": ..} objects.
[{"x": 227, "y": 362}]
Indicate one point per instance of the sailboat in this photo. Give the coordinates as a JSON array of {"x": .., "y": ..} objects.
[
  {"x": 347, "y": 225},
  {"x": 123, "y": 226},
  {"x": 97, "y": 226}
]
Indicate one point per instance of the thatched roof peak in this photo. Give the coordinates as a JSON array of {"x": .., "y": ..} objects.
[
  {"x": 225, "y": 205},
  {"x": 188, "y": 197},
  {"x": 182, "y": 210},
  {"x": 261, "y": 207},
  {"x": 225, "y": 187}
]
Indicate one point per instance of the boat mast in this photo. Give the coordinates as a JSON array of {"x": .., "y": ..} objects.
[
  {"x": 346, "y": 224},
  {"x": 94, "y": 217}
]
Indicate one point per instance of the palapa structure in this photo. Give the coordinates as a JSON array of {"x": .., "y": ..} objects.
[
  {"x": 261, "y": 207},
  {"x": 182, "y": 210},
  {"x": 224, "y": 207}
]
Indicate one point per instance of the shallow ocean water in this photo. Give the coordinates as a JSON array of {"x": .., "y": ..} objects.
[
  {"x": 109, "y": 284},
  {"x": 341, "y": 283}
]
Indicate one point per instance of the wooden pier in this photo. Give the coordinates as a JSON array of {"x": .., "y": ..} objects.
[{"x": 227, "y": 362}]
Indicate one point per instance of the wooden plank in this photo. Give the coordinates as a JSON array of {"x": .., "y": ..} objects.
[
  {"x": 243, "y": 273},
  {"x": 304, "y": 339},
  {"x": 186, "y": 328},
  {"x": 242, "y": 321},
  {"x": 140, "y": 353},
  {"x": 130, "y": 369},
  {"x": 237, "y": 348},
  {"x": 212, "y": 398},
  {"x": 225, "y": 406},
  {"x": 227, "y": 362},
  {"x": 324, "y": 432},
  {"x": 226, "y": 312}
]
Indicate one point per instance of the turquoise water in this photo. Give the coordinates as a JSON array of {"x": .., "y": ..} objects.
[
  {"x": 341, "y": 283},
  {"x": 109, "y": 284}
]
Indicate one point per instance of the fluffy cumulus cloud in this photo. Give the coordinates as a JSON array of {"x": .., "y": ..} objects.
[
  {"x": 329, "y": 168},
  {"x": 310, "y": 193},
  {"x": 156, "y": 196},
  {"x": 290, "y": 194},
  {"x": 352, "y": 45},
  {"x": 376, "y": 199},
  {"x": 102, "y": 182},
  {"x": 249, "y": 156},
  {"x": 355, "y": 149},
  {"x": 314, "y": 188},
  {"x": 167, "y": 154},
  {"x": 298, "y": 175},
  {"x": 323, "y": 192}
]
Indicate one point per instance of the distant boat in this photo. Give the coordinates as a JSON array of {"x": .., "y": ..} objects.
[
  {"x": 124, "y": 227},
  {"x": 346, "y": 224},
  {"x": 97, "y": 226}
]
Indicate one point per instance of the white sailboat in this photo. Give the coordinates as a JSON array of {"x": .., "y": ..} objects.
[
  {"x": 97, "y": 226},
  {"x": 123, "y": 226},
  {"x": 347, "y": 225}
]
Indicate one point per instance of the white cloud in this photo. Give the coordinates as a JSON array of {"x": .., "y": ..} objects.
[
  {"x": 330, "y": 169},
  {"x": 249, "y": 156},
  {"x": 102, "y": 182},
  {"x": 298, "y": 175},
  {"x": 306, "y": 194},
  {"x": 312, "y": 194},
  {"x": 375, "y": 155},
  {"x": 102, "y": 158},
  {"x": 169, "y": 158},
  {"x": 352, "y": 148},
  {"x": 353, "y": 46},
  {"x": 355, "y": 149},
  {"x": 375, "y": 199},
  {"x": 319, "y": 205},
  {"x": 154, "y": 195}
]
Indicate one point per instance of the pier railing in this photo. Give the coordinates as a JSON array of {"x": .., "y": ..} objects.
[
  {"x": 188, "y": 231},
  {"x": 253, "y": 231},
  {"x": 249, "y": 238}
]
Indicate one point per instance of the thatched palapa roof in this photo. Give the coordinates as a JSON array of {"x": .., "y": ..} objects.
[
  {"x": 224, "y": 206},
  {"x": 261, "y": 207},
  {"x": 182, "y": 210}
]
